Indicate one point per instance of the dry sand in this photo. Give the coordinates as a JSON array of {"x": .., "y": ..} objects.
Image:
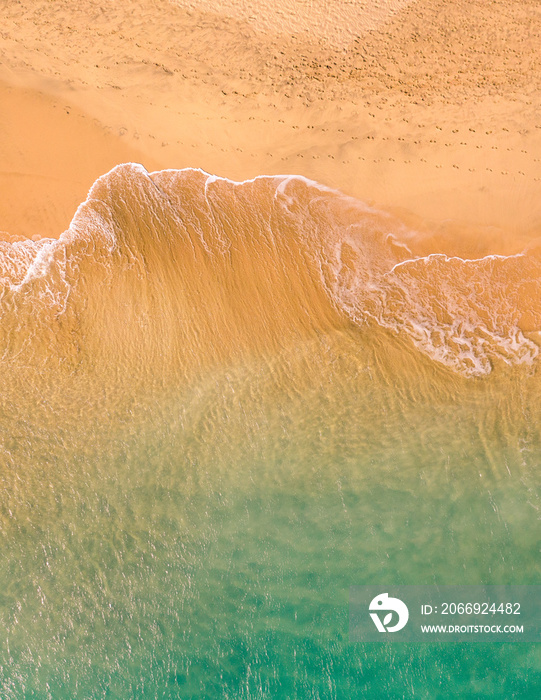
[{"x": 430, "y": 109}]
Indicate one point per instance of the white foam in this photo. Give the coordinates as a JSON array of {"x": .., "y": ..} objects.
[{"x": 440, "y": 302}]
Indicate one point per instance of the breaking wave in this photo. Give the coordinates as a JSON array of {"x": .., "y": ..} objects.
[{"x": 181, "y": 268}]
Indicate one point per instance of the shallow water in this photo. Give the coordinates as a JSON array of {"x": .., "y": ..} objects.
[{"x": 201, "y": 452}]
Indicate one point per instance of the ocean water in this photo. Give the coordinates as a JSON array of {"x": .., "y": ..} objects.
[{"x": 222, "y": 405}]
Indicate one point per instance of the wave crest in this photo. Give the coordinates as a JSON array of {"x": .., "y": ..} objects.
[{"x": 183, "y": 268}]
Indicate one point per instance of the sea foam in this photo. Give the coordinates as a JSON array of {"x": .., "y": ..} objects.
[{"x": 185, "y": 268}]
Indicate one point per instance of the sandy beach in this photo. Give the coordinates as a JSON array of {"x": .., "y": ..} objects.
[
  {"x": 428, "y": 109},
  {"x": 270, "y": 338}
]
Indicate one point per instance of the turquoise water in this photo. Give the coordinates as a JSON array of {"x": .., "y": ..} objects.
[
  {"x": 201, "y": 544},
  {"x": 224, "y": 404}
]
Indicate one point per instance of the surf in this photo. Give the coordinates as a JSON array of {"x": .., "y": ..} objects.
[{"x": 182, "y": 270}]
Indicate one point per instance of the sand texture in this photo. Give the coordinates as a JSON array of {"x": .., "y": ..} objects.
[
  {"x": 429, "y": 109},
  {"x": 289, "y": 344}
]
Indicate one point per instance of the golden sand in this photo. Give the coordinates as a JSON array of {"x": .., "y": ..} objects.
[
  {"x": 225, "y": 403},
  {"x": 429, "y": 109}
]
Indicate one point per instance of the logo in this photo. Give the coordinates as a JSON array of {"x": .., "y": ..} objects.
[{"x": 382, "y": 603}]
